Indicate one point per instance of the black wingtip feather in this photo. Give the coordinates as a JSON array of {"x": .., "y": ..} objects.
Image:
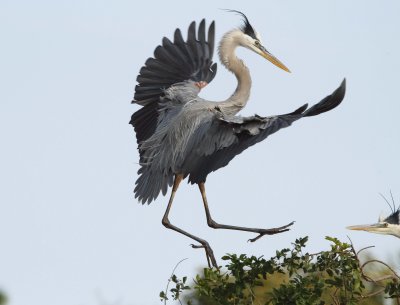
[
  {"x": 178, "y": 39},
  {"x": 192, "y": 32},
  {"x": 211, "y": 38},
  {"x": 178, "y": 61},
  {"x": 330, "y": 102},
  {"x": 201, "y": 33},
  {"x": 300, "y": 110}
]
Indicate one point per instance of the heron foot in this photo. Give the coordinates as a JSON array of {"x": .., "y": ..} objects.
[
  {"x": 212, "y": 262},
  {"x": 272, "y": 231}
]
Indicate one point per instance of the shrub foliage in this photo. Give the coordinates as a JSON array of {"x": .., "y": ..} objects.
[{"x": 292, "y": 276}]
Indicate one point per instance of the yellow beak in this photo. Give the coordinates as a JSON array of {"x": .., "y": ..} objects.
[
  {"x": 369, "y": 228},
  {"x": 264, "y": 53},
  {"x": 274, "y": 60}
]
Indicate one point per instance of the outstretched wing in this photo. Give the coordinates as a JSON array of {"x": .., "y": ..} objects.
[
  {"x": 227, "y": 137},
  {"x": 173, "y": 62}
]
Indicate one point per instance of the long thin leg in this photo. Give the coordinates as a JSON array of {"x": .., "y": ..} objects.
[
  {"x": 216, "y": 225},
  {"x": 165, "y": 221}
]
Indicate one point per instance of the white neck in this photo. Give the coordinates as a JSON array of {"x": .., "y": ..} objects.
[{"x": 228, "y": 58}]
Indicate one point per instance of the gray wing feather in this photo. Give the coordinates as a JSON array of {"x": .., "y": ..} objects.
[
  {"x": 161, "y": 153},
  {"x": 230, "y": 137},
  {"x": 221, "y": 140},
  {"x": 173, "y": 62}
]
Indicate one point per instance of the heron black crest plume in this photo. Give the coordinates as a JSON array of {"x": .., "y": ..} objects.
[
  {"x": 246, "y": 27},
  {"x": 181, "y": 135},
  {"x": 394, "y": 217},
  {"x": 392, "y": 208}
]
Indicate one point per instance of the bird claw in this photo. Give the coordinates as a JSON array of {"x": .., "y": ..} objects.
[
  {"x": 272, "y": 231},
  {"x": 196, "y": 246},
  {"x": 209, "y": 254}
]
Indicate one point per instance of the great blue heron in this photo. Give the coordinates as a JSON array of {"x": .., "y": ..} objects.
[
  {"x": 181, "y": 135},
  {"x": 388, "y": 226}
]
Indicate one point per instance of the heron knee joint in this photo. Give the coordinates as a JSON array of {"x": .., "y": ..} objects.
[
  {"x": 211, "y": 223},
  {"x": 165, "y": 222}
]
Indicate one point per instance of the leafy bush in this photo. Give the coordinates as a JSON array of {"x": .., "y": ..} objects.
[{"x": 291, "y": 277}]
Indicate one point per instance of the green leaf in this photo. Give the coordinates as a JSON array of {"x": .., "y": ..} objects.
[{"x": 163, "y": 296}]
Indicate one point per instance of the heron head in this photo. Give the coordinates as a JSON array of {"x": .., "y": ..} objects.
[
  {"x": 378, "y": 228},
  {"x": 388, "y": 226},
  {"x": 252, "y": 41}
]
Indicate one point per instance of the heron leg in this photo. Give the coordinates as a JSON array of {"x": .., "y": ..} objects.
[
  {"x": 203, "y": 243},
  {"x": 261, "y": 232}
]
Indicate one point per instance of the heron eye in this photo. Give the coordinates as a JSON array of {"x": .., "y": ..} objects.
[
  {"x": 257, "y": 43},
  {"x": 386, "y": 224}
]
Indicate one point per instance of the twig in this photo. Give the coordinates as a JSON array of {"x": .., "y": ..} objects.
[
  {"x": 395, "y": 275},
  {"x": 170, "y": 278},
  {"x": 365, "y": 248},
  {"x": 373, "y": 293}
]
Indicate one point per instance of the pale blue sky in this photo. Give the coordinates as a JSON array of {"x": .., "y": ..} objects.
[{"x": 71, "y": 231}]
